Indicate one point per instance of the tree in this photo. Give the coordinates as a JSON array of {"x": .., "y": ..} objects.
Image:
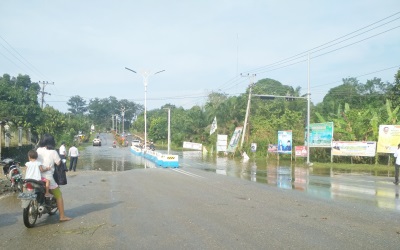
[
  {"x": 394, "y": 91},
  {"x": 18, "y": 101},
  {"x": 77, "y": 105}
]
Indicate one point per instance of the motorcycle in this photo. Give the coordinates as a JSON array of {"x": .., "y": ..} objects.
[
  {"x": 34, "y": 202},
  {"x": 13, "y": 173}
]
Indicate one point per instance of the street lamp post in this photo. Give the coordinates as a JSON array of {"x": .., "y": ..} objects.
[
  {"x": 123, "y": 118},
  {"x": 145, "y": 75},
  {"x": 308, "y": 112}
]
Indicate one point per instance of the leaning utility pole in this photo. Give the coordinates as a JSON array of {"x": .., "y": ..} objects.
[
  {"x": 251, "y": 77},
  {"x": 44, "y": 84}
]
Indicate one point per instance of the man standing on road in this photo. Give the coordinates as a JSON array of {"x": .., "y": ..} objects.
[
  {"x": 63, "y": 151},
  {"x": 63, "y": 155},
  {"x": 73, "y": 155},
  {"x": 397, "y": 165}
]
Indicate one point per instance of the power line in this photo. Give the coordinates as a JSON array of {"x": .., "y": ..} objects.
[
  {"x": 283, "y": 63},
  {"x": 365, "y": 74},
  {"x": 29, "y": 65},
  {"x": 305, "y": 53}
]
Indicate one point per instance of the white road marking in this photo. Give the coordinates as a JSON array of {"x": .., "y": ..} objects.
[{"x": 186, "y": 173}]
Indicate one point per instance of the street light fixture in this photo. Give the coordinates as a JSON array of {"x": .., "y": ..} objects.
[{"x": 145, "y": 75}]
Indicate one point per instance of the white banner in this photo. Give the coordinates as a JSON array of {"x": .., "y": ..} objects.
[
  {"x": 235, "y": 139},
  {"x": 354, "y": 148},
  {"x": 222, "y": 143},
  {"x": 213, "y": 126},
  {"x": 192, "y": 145}
]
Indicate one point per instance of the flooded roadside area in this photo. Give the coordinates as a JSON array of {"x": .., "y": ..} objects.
[{"x": 370, "y": 188}]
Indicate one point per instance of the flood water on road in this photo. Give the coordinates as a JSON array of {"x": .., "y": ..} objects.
[{"x": 367, "y": 188}]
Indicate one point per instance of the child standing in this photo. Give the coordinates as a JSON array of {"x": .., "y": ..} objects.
[{"x": 34, "y": 169}]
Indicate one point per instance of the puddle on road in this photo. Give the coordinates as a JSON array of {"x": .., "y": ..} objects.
[{"x": 373, "y": 188}]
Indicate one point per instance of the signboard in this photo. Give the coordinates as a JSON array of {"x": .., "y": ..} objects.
[
  {"x": 222, "y": 143},
  {"x": 272, "y": 148},
  {"x": 321, "y": 135},
  {"x": 354, "y": 148},
  {"x": 300, "y": 151},
  {"x": 192, "y": 145},
  {"x": 389, "y": 138},
  {"x": 253, "y": 147},
  {"x": 285, "y": 142},
  {"x": 234, "y": 140}
]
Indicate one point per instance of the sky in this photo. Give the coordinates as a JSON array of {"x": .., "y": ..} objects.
[{"x": 83, "y": 47}]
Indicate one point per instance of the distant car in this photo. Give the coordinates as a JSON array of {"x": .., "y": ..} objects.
[
  {"x": 96, "y": 142},
  {"x": 136, "y": 143}
]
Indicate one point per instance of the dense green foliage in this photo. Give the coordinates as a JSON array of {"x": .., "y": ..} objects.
[{"x": 356, "y": 109}]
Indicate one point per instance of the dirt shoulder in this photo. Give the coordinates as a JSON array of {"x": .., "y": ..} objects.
[{"x": 5, "y": 185}]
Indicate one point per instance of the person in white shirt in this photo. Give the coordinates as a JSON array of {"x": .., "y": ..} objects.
[
  {"x": 63, "y": 151},
  {"x": 73, "y": 155},
  {"x": 34, "y": 170},
  {"x": 63, "y": 155},
  {"x": 397, "y": 165},
  {"x": 49, "y": 157}
]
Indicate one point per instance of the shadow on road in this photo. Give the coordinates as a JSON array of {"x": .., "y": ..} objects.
[
  {"x": 9, "y": 218},
  {"x": 89, "y": 208}
]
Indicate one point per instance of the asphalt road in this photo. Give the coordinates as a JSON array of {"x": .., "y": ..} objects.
[{"x": 194, "y": 209}]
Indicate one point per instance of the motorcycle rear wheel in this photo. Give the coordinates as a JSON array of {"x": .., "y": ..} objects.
[
  {"x": 30, "y": 214},
  {"x": 54, "y": 208}
]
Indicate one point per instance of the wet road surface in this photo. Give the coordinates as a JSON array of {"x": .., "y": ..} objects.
[
  {"x": 368, "y": 188},
  {"x": 157, "y": 208}
]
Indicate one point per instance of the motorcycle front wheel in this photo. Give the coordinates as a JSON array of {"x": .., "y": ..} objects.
[
  {"x": 20, "y": 186},
  {"x": 30, "y": 214}
]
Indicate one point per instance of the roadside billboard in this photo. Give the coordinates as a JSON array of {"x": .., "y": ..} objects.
[
  {"x": 272, "y": 148},
  {"x": 321, "y": 135},
  {"x": 285, "y": 142},
  {"x": 300, "y": 151},
  {"x": 354, "y": 148},
  {"x": 389, "y": 138}
]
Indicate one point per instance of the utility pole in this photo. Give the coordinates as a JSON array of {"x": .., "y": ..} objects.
[
  {"x": 44, "y": 84},
  {"x": 251, "y": 77}
]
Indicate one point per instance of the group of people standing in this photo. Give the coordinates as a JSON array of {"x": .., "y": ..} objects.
[{"x": 73, "y": 154}]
